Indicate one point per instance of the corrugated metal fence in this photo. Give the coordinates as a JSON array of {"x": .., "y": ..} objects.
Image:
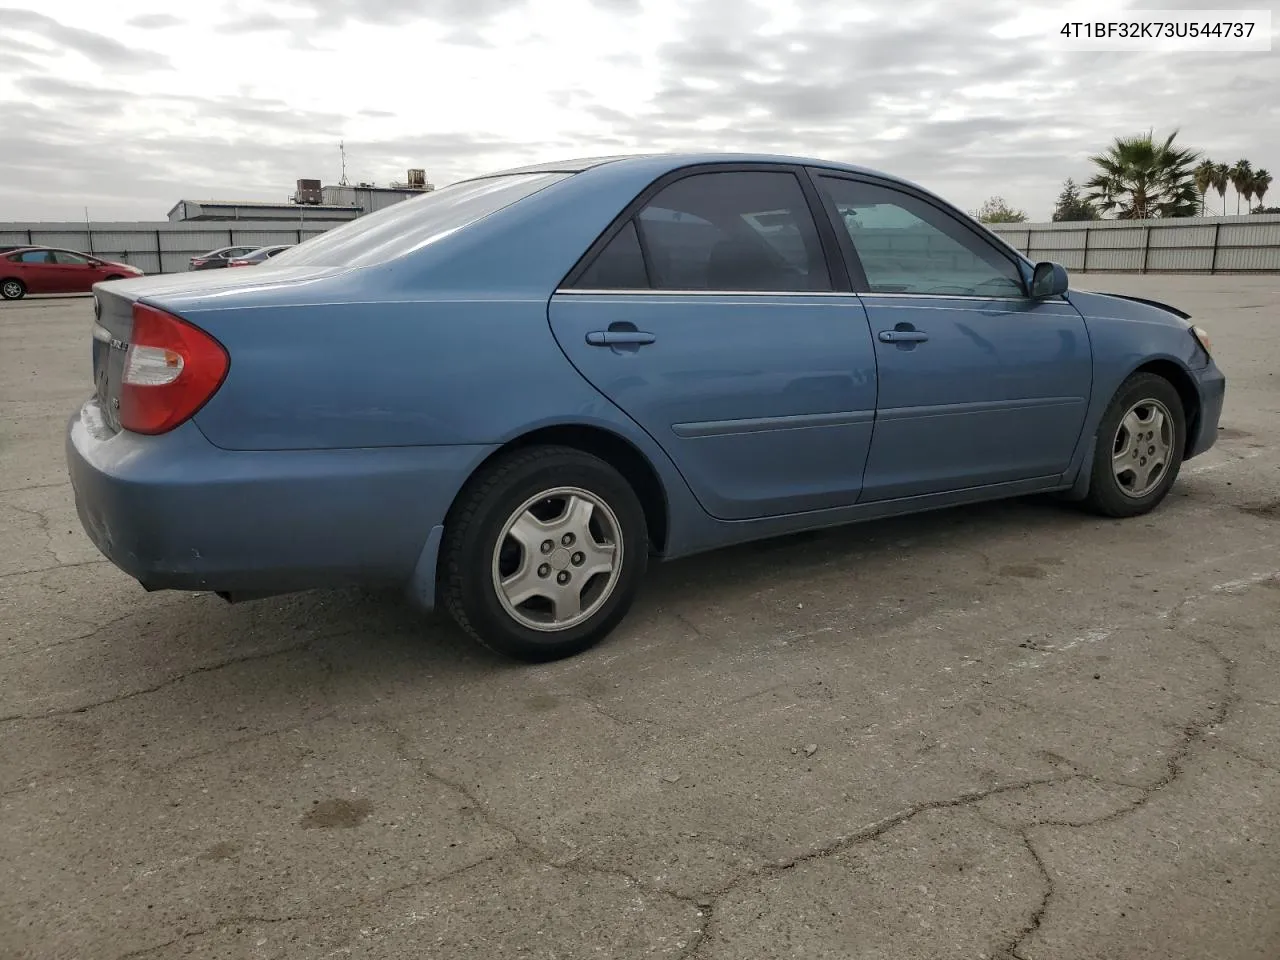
[
  {"x": 161, "y": 247},
  {"x": 1246, "y": 244}
]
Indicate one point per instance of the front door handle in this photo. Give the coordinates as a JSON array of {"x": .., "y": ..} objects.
[
  {"x": 903, "y": 336},
  {"x": 613, "y": 338}
]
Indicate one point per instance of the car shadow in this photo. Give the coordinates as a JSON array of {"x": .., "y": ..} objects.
[
  {"x": 392, "y": 637},
  {"x": 270, "y": 664}
]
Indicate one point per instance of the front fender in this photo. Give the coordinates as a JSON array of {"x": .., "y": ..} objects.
[{"x": 1128, "y": 334}]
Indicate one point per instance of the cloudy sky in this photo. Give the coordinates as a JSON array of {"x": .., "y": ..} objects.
[{"x": 128, "y": 106}]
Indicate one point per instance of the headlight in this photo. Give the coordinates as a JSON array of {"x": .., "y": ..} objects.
[{"x": 1202, "y": 337}]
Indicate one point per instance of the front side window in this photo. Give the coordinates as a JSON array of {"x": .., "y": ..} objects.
[
  {"x": 69, "y": 259},
  {"x": 909, "y": 246}
]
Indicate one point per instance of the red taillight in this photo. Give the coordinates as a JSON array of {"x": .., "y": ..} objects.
[
  {"x": 170, "y": 371},
  {"x": 240, "y": 263}
]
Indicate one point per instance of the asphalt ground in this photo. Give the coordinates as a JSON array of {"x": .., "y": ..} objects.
[{"x": 1009, "y": 730}]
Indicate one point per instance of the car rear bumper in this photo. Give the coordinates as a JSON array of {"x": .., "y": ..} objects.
[
  {"x": 176, "y": 512},
  {"x": 1212, "y": 385}
]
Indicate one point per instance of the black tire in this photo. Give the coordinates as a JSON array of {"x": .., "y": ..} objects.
[
  {"x": 12, "y": 288},
  {"x": 1107, "y": 494},
  {"x": 476, "y": 523}
]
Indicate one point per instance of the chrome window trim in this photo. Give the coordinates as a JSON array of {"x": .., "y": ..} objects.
[
  {"x": 941, "y": 296},
  {"x": 562, "y": 291},
  {"x": 788, "y": 293}
]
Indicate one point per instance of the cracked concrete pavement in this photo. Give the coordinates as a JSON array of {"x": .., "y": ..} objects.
[{"x": 1011, "y": 731}]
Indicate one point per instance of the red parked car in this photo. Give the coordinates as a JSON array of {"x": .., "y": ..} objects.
[{"x": 50, "y": 270}]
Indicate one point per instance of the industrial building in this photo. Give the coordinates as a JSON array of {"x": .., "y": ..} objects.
[{"x": 310, "y": 202}]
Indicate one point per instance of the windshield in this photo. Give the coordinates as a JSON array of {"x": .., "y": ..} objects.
[{"x": 411, "y": 224}]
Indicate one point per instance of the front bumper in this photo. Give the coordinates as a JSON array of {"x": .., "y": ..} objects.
[
  {"x": 176, "y": 512},
  {"x": 1212, "y": 384}
]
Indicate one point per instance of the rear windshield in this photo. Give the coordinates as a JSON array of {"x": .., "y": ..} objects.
[{"x": 406, "y": 226}]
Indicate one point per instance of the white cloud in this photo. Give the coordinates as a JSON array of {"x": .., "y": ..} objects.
[{"x": 127, "y": 115}]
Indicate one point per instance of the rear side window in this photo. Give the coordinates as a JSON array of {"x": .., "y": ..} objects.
[
  {"x": 619, "y": 266},
  {"x": 411, "y": 224},
  {"x": 731, "y": 231}
]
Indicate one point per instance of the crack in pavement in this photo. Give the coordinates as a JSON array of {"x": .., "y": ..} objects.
[
  {"x": 58, "y": 566},
  {"x": 621, "y": 721},
  {"x": 329, "y": 909},
  {"x": 707, "y": 904},
  {"x": 1014, "y": 949},
  {"x": 865, "y": 835},
  {"x": 1194, "y": 733},
  {"x": 203, "y": 931},
  {"x": 42, "y": 523},
  {"x": 93, "y": 632},
  {"x": 486, "y": 816},
  {"x": 1246, "y": 756},
  {"x": 208, "y": 668},
  {"x": 95, "y": 764},
  {"x": 34, "y": 486}
]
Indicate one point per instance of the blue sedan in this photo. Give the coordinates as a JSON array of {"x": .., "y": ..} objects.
[{"x": 509, "y": 394}]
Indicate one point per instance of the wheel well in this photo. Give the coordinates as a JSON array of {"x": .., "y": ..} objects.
[
  {"x": 619, "y": 454},
  {"x": 1187, "y": 392}
]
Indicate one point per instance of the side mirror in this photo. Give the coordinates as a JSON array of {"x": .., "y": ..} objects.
[{"x": 1048, "y": 280}]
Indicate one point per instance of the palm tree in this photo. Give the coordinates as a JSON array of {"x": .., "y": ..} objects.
[
  {"x": 1221, "y": 177},
  {"x": 1204, "y": 173},
  {"x": 1240, "y": 176},
  {"x": 1261, "y": 180},
  {"x": 1140, "y": 177}
]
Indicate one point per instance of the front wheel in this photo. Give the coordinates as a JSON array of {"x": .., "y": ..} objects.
[
  {"x": 13, "y": 289},
  {"x": 1139, "y": 448},
  {"x": 544, "y": 553}
]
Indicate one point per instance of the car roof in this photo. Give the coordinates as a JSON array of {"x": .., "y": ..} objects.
[{"x": 674, "y": 161}]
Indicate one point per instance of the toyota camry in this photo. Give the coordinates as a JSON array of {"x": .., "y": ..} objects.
[{"x": 510, "y": 395}]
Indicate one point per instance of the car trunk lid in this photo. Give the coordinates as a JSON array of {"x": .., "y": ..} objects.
[{"x": 183, "y": 294}]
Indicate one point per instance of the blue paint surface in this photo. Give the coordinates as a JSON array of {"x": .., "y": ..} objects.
[{"x": 369, "y": 381}]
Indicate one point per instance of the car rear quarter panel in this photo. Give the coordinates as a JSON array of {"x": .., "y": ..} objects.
[{"x": 448, "y": 346}]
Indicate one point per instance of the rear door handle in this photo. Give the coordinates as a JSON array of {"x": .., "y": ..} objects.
[
  {"x": 903, "y": 336},
  {"x": 610, "y": 338}
]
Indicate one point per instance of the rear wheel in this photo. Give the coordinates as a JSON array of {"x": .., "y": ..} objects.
[
  {"x": 544, "y": 553},
  {"x": 13, "y": 289},
  {"x": 1139, "y": 448}
]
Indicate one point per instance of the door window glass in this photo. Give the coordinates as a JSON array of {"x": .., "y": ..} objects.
[
  {"x": 619, "y": 266},
  {"x": 35, "y": 256},
  {"x": 740, "y": 231},
  {"x": 69, "y": 259},
  {"x": 909, "y": 246}
]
